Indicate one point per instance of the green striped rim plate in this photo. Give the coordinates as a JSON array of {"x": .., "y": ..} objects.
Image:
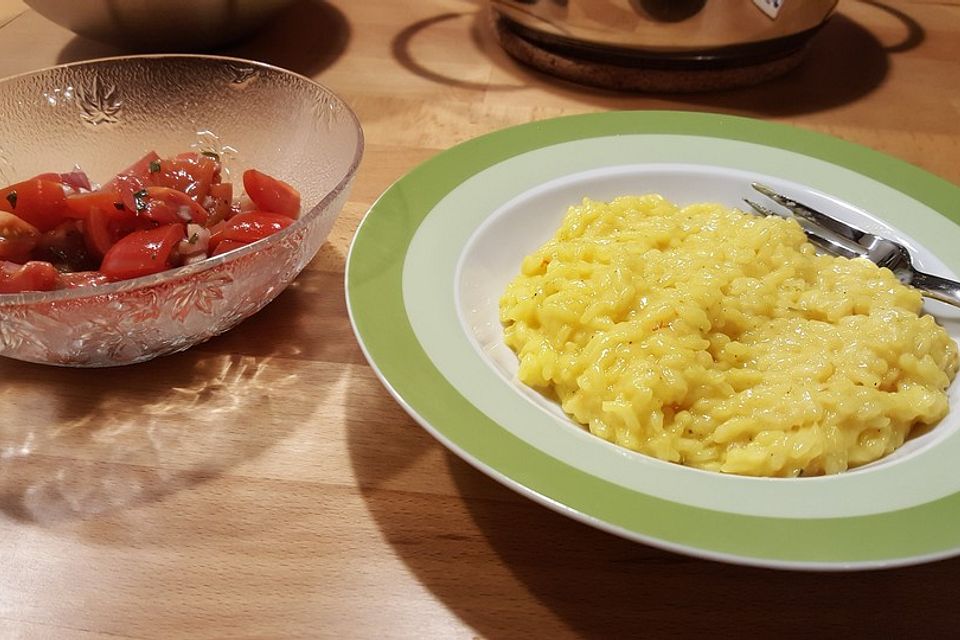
[{"x": 431, "y": 256}]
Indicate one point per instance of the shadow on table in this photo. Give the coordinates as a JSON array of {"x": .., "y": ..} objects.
[
  {"x": 307, "y": 37},
  {"x": 601, "y": 585},
  {"x": 844, "y": 63},
  {"x": 403, "y": 49},
  {"x": 479, "y": 547},
  {"x": 78, "y": 443}
]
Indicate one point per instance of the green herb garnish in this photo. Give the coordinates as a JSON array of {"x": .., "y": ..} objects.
[
  {"x": 12, "y": 198},
  {"x": 154, "y": 166},
  {"x": 140, "y": 198},
  {"x": 210, "y": 154}
]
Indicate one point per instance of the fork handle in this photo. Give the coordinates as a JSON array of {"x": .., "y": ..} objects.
[{"x": 937, "y": 288}]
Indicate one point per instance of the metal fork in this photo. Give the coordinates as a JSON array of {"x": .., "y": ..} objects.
[{"x": 839, "y": 238}]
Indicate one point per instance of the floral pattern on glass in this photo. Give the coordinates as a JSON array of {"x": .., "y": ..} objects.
[{"x": 99, "y": 102}]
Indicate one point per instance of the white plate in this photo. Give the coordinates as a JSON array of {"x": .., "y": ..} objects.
[{"x": 435, "y": 253}]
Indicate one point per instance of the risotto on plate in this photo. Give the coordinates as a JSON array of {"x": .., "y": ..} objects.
[{"x": 708, "y": 337}]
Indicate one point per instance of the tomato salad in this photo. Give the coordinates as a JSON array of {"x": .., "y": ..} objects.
[{"x": 58, "y": 231}]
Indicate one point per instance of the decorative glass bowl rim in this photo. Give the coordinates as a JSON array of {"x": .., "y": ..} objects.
[{"x": 179, "y": 273}]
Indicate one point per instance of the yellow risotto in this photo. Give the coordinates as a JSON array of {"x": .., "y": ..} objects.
[{"x": 720, "y": 340}]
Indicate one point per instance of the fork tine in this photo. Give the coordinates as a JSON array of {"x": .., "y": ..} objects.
[
  {"x": 812, "y": 215},
  {"x": 834, "y": 246},
  {"x": 762, "y": 210}
]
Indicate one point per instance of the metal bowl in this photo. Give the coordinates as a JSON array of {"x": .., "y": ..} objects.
[
  {"x": 102, "y": 113},
  {"x": 644, "y": 38},
  {"x": 151, "y": 25}
]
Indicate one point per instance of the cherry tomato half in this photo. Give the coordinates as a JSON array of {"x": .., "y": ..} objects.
[
  {"x": 139, "y": 169},
  {"x": 129, "y": 188},
  {"x": 271, "y": 194},
  {"x": 218, "y": 202},
  {"x": 99, "y": 234},
  {"x": 104, "y": 225},
  {"x": 248, "y": 227},
  {"x": 17, "y": 238},
  {"x": 142, "y": 252},
  {"x": 191, "y": 173},
  {"x": 39, "y": 202},
  {"x": 161, "y": 205},
  {"x": 80, "y": 204},
  {"x": 164, "y": 205},
  {"x": 64, "y": 246},
  {"x": 32, "y": 276}
]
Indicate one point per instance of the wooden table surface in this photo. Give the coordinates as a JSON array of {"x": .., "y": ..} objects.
[{"x": 265, "y": 485}]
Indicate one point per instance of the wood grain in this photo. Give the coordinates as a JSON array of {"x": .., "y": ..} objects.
[{"x": 264, "y": 485}]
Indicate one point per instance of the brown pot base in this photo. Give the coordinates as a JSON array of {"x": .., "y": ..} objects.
[{"x": 636, "y": 77}]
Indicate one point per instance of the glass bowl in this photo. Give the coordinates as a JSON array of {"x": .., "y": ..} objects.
[{"x": 102, "y": 115}]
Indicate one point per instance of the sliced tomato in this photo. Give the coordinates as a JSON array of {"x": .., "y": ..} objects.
[
  {"x": 142, "y": 252},
  {"x": 271, "y": 194},
  {"x": 248, "y": 227},
  {"x": 191, "y": 173},
  {"x": 130, "y": 189},
  {"x": 65, "y": 247},
  {"x": 161, "y": 205},
  {"x": 99, "y": 235},
  {"x": 83, "y": 279},
  {"x": 206, "y": 156},
  {"x": 218, "y": 202},
  {"x": 164, "y": 205},
  {"x": 79, "y": 204},
  {"x": 104, "y": 226},
  {"x": 42, "y": 203},
  {"x": 139, "y": 169},
  {"x": 106, "y": 216},
  {"x": 17, "y": 238},
  {"x": 32, "y": 276}
]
